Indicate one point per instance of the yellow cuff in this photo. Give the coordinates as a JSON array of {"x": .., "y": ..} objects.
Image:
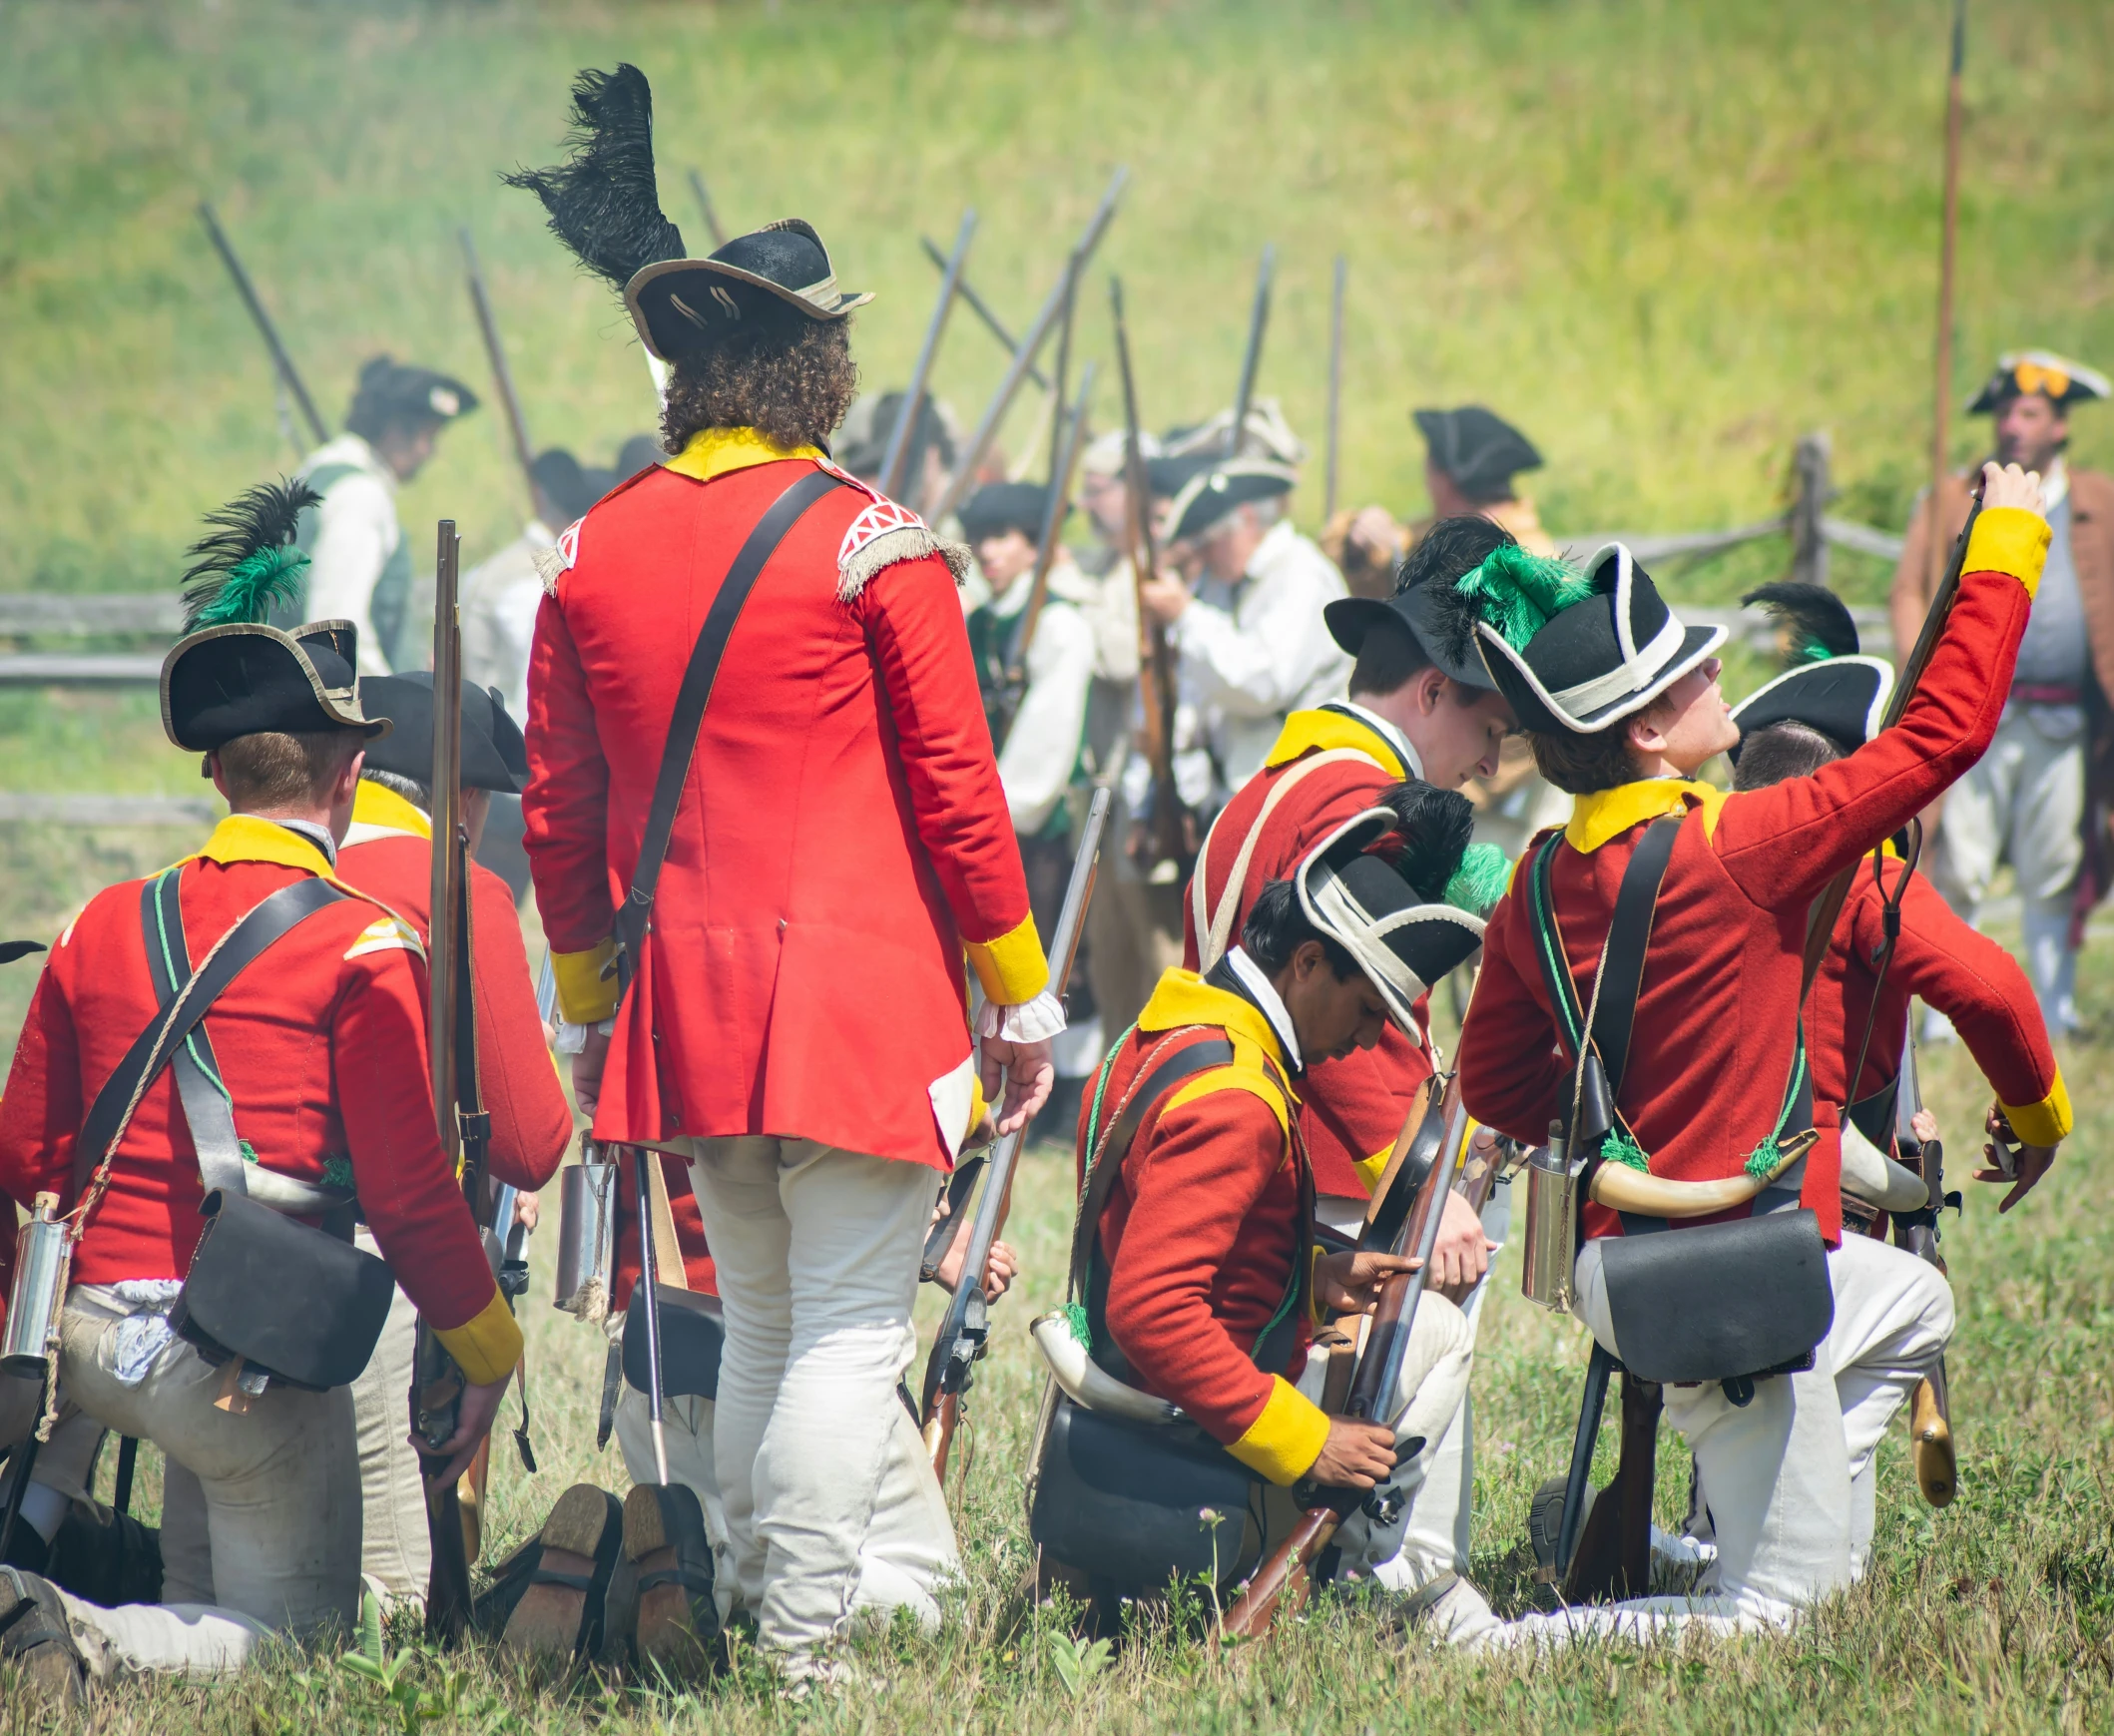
[
  {"x": 2044, "y": 1123},
  {"x": 487, "y": 1348},
  {"x": 2009, "y": 539},
  {"x": 1011, "y": 968},
  {"x": 585, "y": 996},
  {"x": 1286, "y": 1439}
]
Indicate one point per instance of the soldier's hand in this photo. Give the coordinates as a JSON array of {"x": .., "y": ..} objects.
[
  {"x": 2008, "y": 485},
  {"x": 475, "y": 1412},
  {"x": 1925, "y": 1126},
  {"x": 2028, "y": 1163},
  {"x": 1356, "y": 1455},
  {"x": 999, "y": 1271},
  {"x": 1029, "y": 1074},
  {"x": 587, "y": 1072},
  {"x": 1163, "y": 598},
  {"x": 1461, "y": 1255},
  {"x": 1350, "y": 1282}
]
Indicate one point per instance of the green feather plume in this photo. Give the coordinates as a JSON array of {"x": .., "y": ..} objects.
[
  {"x": 1480, "y": 881},
  {"x": 248, "y": 565},
  {"x": 1516, "y": 592}
]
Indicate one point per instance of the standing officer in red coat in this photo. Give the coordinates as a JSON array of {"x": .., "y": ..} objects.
[
  {"x": 796, "y": 1020},
  {"x": 1620, "y": 703},
  {"x": 388, "y": 852},
  {"x": 306, "y": 1088}
]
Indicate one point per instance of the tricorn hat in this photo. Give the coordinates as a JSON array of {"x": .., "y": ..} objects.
[
  {"x": 1477, "y": 448},
  {"x": 494, "y": 756},
  {"x": 1212, "y": 494},
  {"x": 231, "y": 675},
  {"x": 998, "y": 507},
  {"x": 1830, "y": 686},
  {"x": 1572, "y": 651},
  {"x": 2021, "y": 373},
  {"x": 1421, "y": 611},
  {"x": 1402, "y": 943},
  {"x": 392, "y": 394},
  {"x": 605, "y": 205}
]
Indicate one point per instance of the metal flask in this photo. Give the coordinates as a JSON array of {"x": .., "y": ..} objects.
[
  {"x": 43, "y": 1253},
  {"x": 587, "y": 1233},
  {"x": 1551, "y": 1246}
]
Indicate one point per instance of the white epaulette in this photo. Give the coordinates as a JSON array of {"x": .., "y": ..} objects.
[
  {"x": 885, "y": 533},
  {"x": 558, "y": 559},
  {"x": 384, "y": 933}
]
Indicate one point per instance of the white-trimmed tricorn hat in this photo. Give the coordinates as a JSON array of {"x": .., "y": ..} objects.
[
  {"x": 1403, "y": 945},
  {"x": 1830, "y": 686},
  {"x": 1574, "y": 650}
]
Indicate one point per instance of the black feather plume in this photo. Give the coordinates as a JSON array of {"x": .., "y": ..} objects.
[
  {"x": 1816, "y": 623},
  {"x": 242, "y": 569},
  {"x": 1435, "y": 827},
  {"x": 602, "y": 201}
]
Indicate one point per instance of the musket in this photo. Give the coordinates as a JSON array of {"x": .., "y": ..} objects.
[
  {"x": 965, "y": 1330},
  {"x": 711, "y": 217},
  {"x": 262, "y": 321},
  {"x": 1949, "y": 238},
  {"x": 1252, "y": 356},
  {"x": 897, "y": 458},
  {"x": 1156, "y": 655},
  {"x": 1287, "y": 1578},
  {"x": 503, "y": 379},
  {"x": 982, "y": 309},
  {"x": 1828, "y": 904},
  {"x": 1064, "y": 470},
  {"x": 1029, "y": 346},
  {"x": 1336, "y": 386},
  {"x": 1930, "y": 1444}
]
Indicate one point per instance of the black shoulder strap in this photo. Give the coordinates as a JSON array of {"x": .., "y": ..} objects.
[
  {"x": 1629, "y": 937},
  {"x": 628, "y": 927},
  {"x": 152, "y": 1050}
]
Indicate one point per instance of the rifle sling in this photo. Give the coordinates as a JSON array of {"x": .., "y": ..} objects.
[{"x": 628, "y": 927}]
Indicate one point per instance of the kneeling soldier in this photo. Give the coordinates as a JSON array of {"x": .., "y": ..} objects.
[
  {"x": 1641, "y": 983},
  {"x": 1196, "y": 1273},
  {"x": 302, "y": 1095}
]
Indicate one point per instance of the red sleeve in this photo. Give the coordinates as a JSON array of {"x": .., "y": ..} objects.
[
  {"x": 1978, "y": 985},
  {"x": 42, "y": 1111},
  {"x": 1192, "y": 1188},
  {"x": 531, "y": 1125},
  {"x": 912, "y": 619},
  {"x": 565, "y": 810},
  {"x": 409, "y": 1197},
  {"x": 1512, "y": 1075},
  {"x": 1782, "y": 845}
]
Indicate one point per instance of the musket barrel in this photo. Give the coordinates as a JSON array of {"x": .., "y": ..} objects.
[
  {"x": 503, "y": 374},
  {"x": 898, "y": 454},
  {"x": 1252, "y": 355},
  {"x": 262, "y": 321},
  {"x": 996, "y": 326}
]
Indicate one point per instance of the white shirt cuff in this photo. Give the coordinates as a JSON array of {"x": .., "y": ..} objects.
[
  {"x": 571, "y": 1038},
  {"x": 1032, "y": 1022}
]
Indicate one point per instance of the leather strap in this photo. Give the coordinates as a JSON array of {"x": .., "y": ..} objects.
[
  {"x": 628, "y": 927},
  {"x": 1629, "y": 939},
  {"x": 110, "y": 1113}
]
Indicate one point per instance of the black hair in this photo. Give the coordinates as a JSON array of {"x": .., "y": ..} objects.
[
  {"x": 1578, "y": 765},
  {"x": 1390, "y": 658},
  {"x": 1451, "y": 549},
  {"x": 1277, "y": 928},
  {"x": 1437, "y": 826},
  {"x": 1784, "y": 749}
]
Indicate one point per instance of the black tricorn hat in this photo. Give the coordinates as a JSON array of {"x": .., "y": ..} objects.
[
  {"x": 1419, "y": 610},
  {"x": 1572, "y": 651},
  {"x": 1166, "y": 475},
  {"x": 998, "y": 507},
  {"x": 605, "y": 205},
  {"x": 1830, "y": 686},
  {"x": 1402, "y": 943},
  {"x": 392, "y": 392},
  {"x": 1478, "y": 448},
  {"x": 2021, "y": 373},
  {"x": 1212, "y": 494},
  {"x": 494, "y": 756},
  {"x": 245, "y": 677}
]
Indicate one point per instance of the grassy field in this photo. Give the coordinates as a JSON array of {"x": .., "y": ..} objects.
[{"x": 1665, "y": 238}]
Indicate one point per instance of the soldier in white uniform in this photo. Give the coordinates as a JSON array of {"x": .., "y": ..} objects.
[
  {"x": 359, "y": 566},
  {"x": 1250, "y": 635}
]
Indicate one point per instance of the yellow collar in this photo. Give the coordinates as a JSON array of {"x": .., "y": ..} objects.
[
  {"x": 372, "y": 804},
  {"x": 1608, "y": 814},
  {"x": 1306, "y": 732},
  {"x": 716, "y": 451},
  {"x": 250, "y": 838},
  {"x": 1183, "y": 997}
]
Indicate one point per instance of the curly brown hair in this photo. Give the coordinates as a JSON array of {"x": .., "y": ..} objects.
[{"x": 789, "y": 377}]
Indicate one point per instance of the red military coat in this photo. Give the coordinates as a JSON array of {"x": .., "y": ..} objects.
[
  {"x": 1712, "y": 1045},
  {"x": 842, "y": 838},
  {"x": 1966, "y": 976},
  {"x": 389, "y": 853},
  {"x": 1352, "y": 1108},
  {"x": 323, "y": 1046}
]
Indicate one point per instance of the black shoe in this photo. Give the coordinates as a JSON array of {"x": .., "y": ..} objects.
[
  {"x": 104, "y": 1556},
  {"x": 36, "y": 1640}
]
